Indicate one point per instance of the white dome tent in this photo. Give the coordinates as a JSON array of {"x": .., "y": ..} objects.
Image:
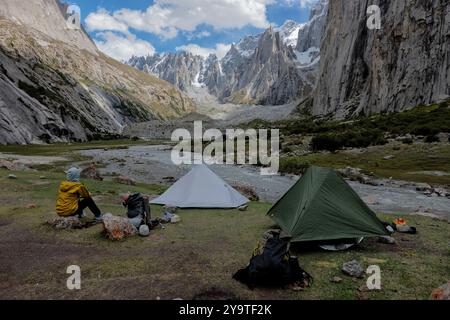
[{"x": 201, "y": 188}]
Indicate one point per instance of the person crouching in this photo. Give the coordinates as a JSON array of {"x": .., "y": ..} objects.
[{"x": 73, "y": 197}]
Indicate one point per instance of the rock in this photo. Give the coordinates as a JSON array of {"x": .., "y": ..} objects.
[
  {"x": 247, "y": 191},
  {"x": 353, "y": 61},
  {"x": 125, "y": 180},
  {"x": 91, "y": 172},
  {"x": 13, "y": 166},
  {"x": 443, "y": 136},
  {"x": 440, "y": 192},
  {"x": 441, "y": 293},
  {"x": 175, "y": 219},
  {"x": 32, "y": 206},
  {"x": 12, "y": 177},
  {"x": 353, "y": 269},
  {"x": 388, "y": 157},
  {"x": 117, "y": 228},
  {"x": 386, "y": 240},
  {"x": 66, "y": 59},
  {"x": 406, "y": 229},
  {"x": 422, "y": 187},
  {"x": 43, "y": 177},
  {"x": 372, "y": 182},
  {"x": 243, "y": 208},
  {"x": 61, "y": 223},
  {"x": 336, "y": 279},
  {"x": 297, "y": 288},
  {"x": 144, "y": 231},
  {"x": 349, "y": 171}
]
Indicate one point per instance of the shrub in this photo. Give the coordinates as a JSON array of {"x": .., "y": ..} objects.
[
  {"x": 293, "y": 165},
  {"x": 327, "y": 142},
  {"x": 431, "y": 138},
  {"x": 354, "y": 139},
  {"x": 407, "y": 141}
]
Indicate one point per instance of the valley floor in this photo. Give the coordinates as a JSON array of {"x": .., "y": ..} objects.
[{"x": 193, "y": 259}]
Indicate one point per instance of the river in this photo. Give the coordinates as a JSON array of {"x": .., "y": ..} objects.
[{"x": 152, "y": 164}]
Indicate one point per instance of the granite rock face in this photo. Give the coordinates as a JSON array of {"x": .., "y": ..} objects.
[
  {"x": 55, "y": 86},
  {"x": 310, "y": 35},
  {"x": 403, "y": 65}
]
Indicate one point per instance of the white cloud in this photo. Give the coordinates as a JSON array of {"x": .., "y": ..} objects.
[
  {"x": 122, "y": 48},
  {"x": 307, "y": 3},
  {"x": 166, "y": 17},
  {"x": 220, "y": 50},
  {"x": 198, "y": 35},
  {"x": 102, "y": 20}
]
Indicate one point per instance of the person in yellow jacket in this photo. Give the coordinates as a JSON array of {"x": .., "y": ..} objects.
[{"x": 73, "y": 197}]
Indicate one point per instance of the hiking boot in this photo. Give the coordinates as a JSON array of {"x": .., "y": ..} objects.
[{"x": 82, "y": 215}]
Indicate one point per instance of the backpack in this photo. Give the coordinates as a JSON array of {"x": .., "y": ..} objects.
[
  {"x": 138, "y": 205},
  {"x": 272, "y": 265}
]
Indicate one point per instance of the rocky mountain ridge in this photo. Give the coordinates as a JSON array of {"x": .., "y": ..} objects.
[
  {"x": 64, "y": 89},
  {"x": 273, "y": 68}
]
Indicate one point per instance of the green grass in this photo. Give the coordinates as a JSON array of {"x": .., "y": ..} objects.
[
  {"x": 408, "y": 163},
  {"x": 198, "y": 255}
]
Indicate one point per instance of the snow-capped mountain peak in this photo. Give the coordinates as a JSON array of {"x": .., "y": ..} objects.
[{"x": 274, "y": 67}]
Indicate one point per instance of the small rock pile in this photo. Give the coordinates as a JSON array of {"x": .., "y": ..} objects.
[
  {"x": 430, "y": 191},
  {"x": 356, "y": 174}
]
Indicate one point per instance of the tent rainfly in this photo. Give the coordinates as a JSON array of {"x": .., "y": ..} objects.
[
  {"x": 321, "y": 206},
  {"x": 201, "y": 188}
]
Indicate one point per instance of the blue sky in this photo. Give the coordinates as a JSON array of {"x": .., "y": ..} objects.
[{"x": 138, "y": 27}]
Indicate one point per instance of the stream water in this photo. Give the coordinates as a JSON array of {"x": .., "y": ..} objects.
[{"x": 152, "y": 164}]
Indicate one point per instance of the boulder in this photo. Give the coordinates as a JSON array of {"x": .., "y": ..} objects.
[
  {"x": 443, "y": 137},
  {"x": 247, "y": 191},
  {"x": 61, "y": 223},
  {"x": 12, "y": 165},
  {"x": 117, "y": 228},
  {"x": 349, "y": 171},
  {"x": 125, "y": 180},
  {"x": 353, "y": 269},
  {"x": 422, "y": 187},
  {"x": 440, "y": 192},
  {"x": 406, "y": 229},
  {"x": 91, "y": 172},
  {"x": 441, "y": 293},
  {"x": 12, "y": 177}
]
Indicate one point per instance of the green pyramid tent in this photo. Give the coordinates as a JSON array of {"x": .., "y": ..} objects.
[{"x": 322, "y": 206}]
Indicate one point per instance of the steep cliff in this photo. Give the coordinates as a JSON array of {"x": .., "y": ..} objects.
[
  {"x": 54, "y": 88},
  {"x": 403, "y": 65}
]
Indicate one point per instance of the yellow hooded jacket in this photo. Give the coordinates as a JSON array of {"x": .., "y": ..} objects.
[{"x": 69, "y": 195}]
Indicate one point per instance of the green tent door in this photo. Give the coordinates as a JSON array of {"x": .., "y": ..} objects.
[{"x": 322, "y": 206}]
